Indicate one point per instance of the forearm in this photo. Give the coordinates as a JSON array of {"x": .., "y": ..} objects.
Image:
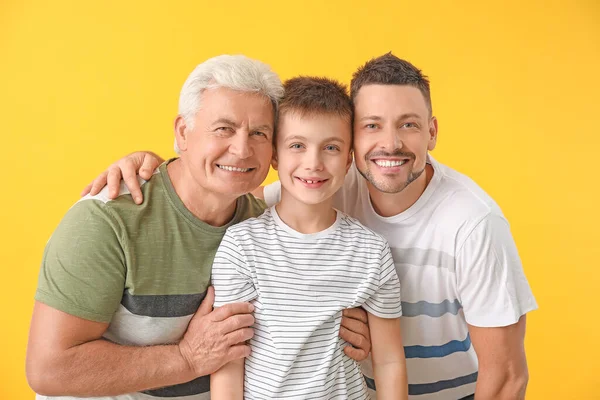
[
  {"x": 501, "y": 384},
  {"x": 228, "y": 382},
  {"x": 102, "y": 368},
  {"x": 391, "y": 381}
]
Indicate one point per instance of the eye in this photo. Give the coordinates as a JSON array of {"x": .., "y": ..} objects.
[
  {"x": 332, "y": 147},
  {"x": 409, "y": 125},
  {"x": 223, "y": 129},
  {"x": 371, "y": 126},
  {"x": 296, "y": 146}
]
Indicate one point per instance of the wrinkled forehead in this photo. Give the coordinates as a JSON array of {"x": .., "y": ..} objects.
[{"x": 234, "y": 105}]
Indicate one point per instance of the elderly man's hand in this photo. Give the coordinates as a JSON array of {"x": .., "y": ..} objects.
[{"x": 217, "y": 337}]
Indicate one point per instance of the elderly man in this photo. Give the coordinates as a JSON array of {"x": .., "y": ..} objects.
[
  {"x": 464, "y": 294},
  {"x": 119, "y": 309}
]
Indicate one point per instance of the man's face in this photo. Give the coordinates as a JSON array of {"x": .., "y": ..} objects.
[
  {"x": 229, "y": 149},
  {"x": 313, "y": 155},
  {"x": 392, "y": 133}
]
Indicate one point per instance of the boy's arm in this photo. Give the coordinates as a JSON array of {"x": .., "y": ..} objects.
[
  {"x": 228, "y": 382},
  {"x": 389, "y": 364}
]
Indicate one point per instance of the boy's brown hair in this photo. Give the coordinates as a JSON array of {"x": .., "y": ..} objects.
[{"x": 308, "y": 95}]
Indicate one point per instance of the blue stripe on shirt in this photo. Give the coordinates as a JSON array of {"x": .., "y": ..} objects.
[
  {"x": 434, "y": 387},
  {"x": 453, "y": 346}
]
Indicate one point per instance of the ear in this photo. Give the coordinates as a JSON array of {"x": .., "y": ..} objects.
[
  {"x": 350, "y": 158},
  {"x": 274, "y": 159},
  {"x": 433, "y": 131},
  {"x": 181, "y": 133}
]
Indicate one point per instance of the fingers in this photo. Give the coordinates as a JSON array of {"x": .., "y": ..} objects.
[
  {"x": 98, "y": 183},
  {"x": 356, "y": 340},
  {"x": 149, "y": 164},
  {"x": 239, "y": 336},
  {"x": 229, "y": 310},
  {"x": 129, "y": 176},
  {"x": 356, "y": 313},
  {"x": 86, "y": 190},
  {"x": 113, "y": 180},
  {"x": 355, "y": 354},
  {"x": 237, "y": 352},
  {"x": 356, "y": 326}
]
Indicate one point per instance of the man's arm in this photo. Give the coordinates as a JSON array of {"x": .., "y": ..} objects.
[
  {"x": 67, "y": 356},
  {"x": 389, "y": 363},
  {"x": 495, "y": 297},
  {"x": 502, "y": 363}
]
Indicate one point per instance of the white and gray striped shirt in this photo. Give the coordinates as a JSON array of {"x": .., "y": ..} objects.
[{"x": 299, "y": 284}]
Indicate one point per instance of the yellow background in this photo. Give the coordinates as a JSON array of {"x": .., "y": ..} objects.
[{"x": 515, "y": 88}]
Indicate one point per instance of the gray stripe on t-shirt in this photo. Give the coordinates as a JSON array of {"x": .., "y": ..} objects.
[
  {"x": 423, "y": 258},
  {"x": 173, "y": 305},
  {"x": 430, "y": 309},
  {"x": 197, "y": 386}
]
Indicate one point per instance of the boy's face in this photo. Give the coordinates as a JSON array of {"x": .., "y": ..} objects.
[{"x": 312, "y": 155}]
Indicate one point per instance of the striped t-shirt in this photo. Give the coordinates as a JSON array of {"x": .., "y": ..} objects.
[{"x": 299, "y": 285}]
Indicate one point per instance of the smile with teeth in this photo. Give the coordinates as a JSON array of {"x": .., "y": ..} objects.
[
  {"x": 389, "y": 163},
  {"x": 310, "y": 181},
  {"x": 233, "y": 169}
]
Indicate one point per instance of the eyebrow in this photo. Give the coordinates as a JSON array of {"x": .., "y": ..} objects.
[
  {"x": 378, "y": 118},
  {"x": 329, "y": 139},
  {"x": 225, "y": 121},
  {"x": 263, "y": 128},
  {"x": 229, "y": 122}
]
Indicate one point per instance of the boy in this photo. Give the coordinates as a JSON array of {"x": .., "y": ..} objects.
[{"x": 302, "y": 263}]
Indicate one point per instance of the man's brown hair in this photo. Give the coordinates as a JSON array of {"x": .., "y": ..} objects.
[
  {"x": 390, "y": 70},
  {"x": 308, "y": 95}
]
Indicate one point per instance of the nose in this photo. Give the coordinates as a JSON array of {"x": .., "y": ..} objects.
[
  {"x": 313, "y": 160},
  {"x": 240, "y": 145},
  {"x": 391, "y": 139}
]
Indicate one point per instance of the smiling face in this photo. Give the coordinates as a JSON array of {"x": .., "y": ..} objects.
[
  {"x": 229, "y": 148},
  {"x": 393, "y": 131},
  {"x": 313, "y": 156}
]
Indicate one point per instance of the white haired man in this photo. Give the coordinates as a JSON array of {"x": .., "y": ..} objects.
[{"x": 119, "y": 309}]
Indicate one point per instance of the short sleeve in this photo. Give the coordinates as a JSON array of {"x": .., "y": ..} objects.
[
  {"x": 386, "y": 302},
  {"x": 231, "y": 274},
  {"x": 272, "y": 193},
  {"x": 83, "y": 267},
  {"x": 492, "y": 286}
]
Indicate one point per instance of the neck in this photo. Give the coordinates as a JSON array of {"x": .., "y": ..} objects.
[
  {"x": 305, "y": 218},
  {"x": 213, "y": 208},
  {"x": 390, "y": 204}
]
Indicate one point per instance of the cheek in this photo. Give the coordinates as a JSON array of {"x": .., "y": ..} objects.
[{"x": 264, "y": 151}]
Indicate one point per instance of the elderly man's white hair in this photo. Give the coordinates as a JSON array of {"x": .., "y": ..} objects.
[{"x": 232, "y": 72}]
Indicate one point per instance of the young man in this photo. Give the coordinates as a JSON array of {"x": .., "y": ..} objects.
[
  {"x": 465, "y": 295},
  {"x": 302, "y": 263}
]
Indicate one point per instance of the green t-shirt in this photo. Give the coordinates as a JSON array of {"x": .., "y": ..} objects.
[{"x": 144, "y": 269}]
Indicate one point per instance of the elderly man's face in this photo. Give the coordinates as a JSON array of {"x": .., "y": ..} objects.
[{"x": 229, "y": 149}]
